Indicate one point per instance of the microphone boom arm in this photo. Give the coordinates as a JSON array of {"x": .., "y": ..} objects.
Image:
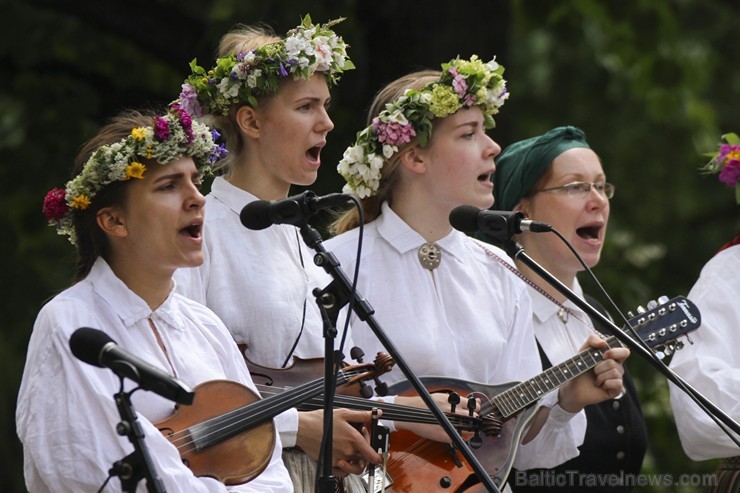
[{"x": 516, "y": 252}]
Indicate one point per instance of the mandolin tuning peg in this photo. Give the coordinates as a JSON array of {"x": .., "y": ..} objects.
[
  {"x": 652, "y": 304},
  {"x": 662, "y": 300},
  {"x": 630, "y": 314},
  {"x": 641, "y": 310}
]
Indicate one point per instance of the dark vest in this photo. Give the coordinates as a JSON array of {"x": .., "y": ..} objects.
[{"x": 612, "y": 452}]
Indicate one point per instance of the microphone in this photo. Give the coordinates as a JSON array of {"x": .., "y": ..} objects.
[
  {"x": 501, "y": 225},
  {"x": 96, "y": 348},
  {"x": 294, "y": 210}
]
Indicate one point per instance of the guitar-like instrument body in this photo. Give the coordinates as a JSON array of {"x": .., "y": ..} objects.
[{"x": 417, "y": 465}]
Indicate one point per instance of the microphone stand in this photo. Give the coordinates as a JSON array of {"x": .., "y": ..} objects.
[
  {"x": 333, "y": 297},
  {"x": 138, "y": 464},
  {"x": 516, "y": 252}
]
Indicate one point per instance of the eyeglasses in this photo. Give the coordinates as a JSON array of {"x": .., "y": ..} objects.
[{"x": 583, "y": 188}]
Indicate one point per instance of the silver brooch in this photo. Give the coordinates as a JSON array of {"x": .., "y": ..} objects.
[{"x": 430, "y": 256}]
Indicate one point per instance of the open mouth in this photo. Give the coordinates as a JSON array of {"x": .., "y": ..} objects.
[
  {"x": 193, "y": 231},
  {"x": 314, "y": 153},
  {"x": 590, "y": 233},
  {"x": 485, "y": 177}
]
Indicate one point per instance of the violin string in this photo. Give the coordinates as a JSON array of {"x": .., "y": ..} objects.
[
  {"x": 256, "y": 411},
  {"x": 391, "y": 411}
]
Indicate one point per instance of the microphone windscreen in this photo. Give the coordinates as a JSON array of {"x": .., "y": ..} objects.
[
  {"x": 255, "y": 215},
  {"x": 86, "y": 344},
  {"x": 464, "y": 218}
]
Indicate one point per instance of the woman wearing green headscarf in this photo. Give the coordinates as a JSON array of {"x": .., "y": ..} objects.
[{"x": 558, "y": 179}]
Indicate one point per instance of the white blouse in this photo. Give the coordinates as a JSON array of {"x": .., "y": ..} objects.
[
  {"x": 560, "y": 341},
  {"x": 470, "y": 318},
  {"x": 711, "y": 364},
  {"x": 258, "y": 282},
  {"x": 66, "y": 415}
]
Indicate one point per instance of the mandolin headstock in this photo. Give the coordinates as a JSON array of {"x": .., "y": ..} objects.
[{"x": 664, "y": 322}]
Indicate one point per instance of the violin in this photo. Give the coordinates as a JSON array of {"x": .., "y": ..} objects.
[
  {"x": 228, "y": 434},
  {"x": 271, "y": 381},
  {"x": 302, "y": 370}
]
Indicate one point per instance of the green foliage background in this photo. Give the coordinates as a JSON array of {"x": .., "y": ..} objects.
[{"x": 653, "y": 83}]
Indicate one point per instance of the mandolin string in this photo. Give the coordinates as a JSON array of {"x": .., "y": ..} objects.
[
  {"x": 255, "y": 411},
  {"x": 496, "y": 403}
]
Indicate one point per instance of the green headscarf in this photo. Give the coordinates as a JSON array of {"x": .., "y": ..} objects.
[{"x": 522, "y": 163}]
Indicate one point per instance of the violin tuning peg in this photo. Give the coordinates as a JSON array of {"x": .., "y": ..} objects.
[
  {"x": 381, "y": 389},
  {"x": 472, "y": 404},
  {"x": 454, "y": 400},
  {"x": 356, "y": 353},
  {"x": 476, "y": 441},
  {"x": 366, "y": 391}
]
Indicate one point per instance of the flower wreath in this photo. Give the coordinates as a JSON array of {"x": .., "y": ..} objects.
[
  {"x": 170, "y": 137},
  {"x": 726, "y": 162},
  {"x": 463, "y": 83},
  {"x": 243, "y": 77}
]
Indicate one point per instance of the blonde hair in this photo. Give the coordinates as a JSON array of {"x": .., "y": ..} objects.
[
  {"x": 389, "y": 173},
  {"x": 241, "y": 39}
]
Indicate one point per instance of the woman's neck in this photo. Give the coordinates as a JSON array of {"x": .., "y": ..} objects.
[
  {"x": 426, "y": 218},
  {"x": 254, "y": 178},
  {"x": 153, "y": 284}
]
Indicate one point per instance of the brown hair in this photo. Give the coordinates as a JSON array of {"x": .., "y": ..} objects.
[
  {"x": 90, "y": 240},
  {"x": 241, "y": 39},
  {"x": 389, "y": 173}
]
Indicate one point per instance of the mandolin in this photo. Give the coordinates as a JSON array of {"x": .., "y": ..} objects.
[
  {"x": 417, "y": 465},
  {"x": 228, "y": 434}
]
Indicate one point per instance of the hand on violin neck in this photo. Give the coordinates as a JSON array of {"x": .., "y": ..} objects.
[
  {"x": 351, "y": 450},
  {"x": 602, "y": 382}
]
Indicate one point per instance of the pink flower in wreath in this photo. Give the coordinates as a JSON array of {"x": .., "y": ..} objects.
[
  {"x": 729, "y": 159},
  {"x": 393, "y": 133},
  {"x": 55, "y": 206}
]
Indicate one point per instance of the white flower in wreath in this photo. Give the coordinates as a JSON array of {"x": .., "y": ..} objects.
[
  {"x": 228, "y": 88},
  {"x": 389, "y": 150},
  {"x": 253, "y": 78}
]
